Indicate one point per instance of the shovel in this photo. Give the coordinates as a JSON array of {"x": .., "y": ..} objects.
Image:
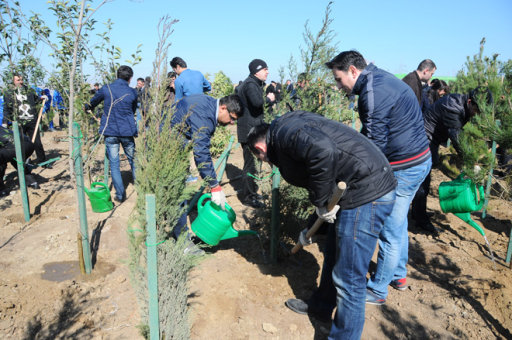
[
  {"x": 38, "y": 121},
  {"x": 336, "y": 196}
]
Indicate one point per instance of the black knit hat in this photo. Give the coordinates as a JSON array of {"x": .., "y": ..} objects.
[{"x": 256, "y": 65}]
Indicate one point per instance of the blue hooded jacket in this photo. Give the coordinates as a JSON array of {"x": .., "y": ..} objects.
[
  {"x": 198, "y": 113},
  {"x": 391, "y": 117},
  {"x": 120, "y": 103}
]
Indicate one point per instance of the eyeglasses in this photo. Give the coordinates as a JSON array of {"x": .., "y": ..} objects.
[{"x": 232, "y": 116}]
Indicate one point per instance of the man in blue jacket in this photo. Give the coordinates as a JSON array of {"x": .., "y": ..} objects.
[
  {"x": 392, "y": 119},
  {"x": 189, "y": 81},
  {"x": 199, "y": 116},
  {"x": 118, "y": 124}
]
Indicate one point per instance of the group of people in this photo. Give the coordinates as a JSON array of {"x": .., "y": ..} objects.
[
  {"x": 21, "y": 103},
  {"x": 383, "y": 167},
  {"x": 386, "y": 166}
]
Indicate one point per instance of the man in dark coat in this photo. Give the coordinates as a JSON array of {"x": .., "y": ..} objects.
[
  {"x": 316, "y": 153},
  {"x": 200, "y": 115},
  {"x": 197, "y": 117},
  {"x": 423, "y": 74},
  {"x": 21, "y": 104},
  {"x": 251, "y": 95},
  {"x": 444, "y": 120},
  {"x": 118, "y": 124}
]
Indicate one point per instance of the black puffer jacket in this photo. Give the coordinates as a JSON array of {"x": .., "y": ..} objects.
[
  {"x": 446, "y": 118},
  {"x": 251, "y": 95},
  {"x": 315, "y": 153}
]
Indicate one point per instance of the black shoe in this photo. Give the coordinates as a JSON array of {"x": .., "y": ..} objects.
[
  {"x": 253, "y": 203},
  {"x": 427, "y": 226},
  {"x": 119, "y": 200},
  {"x": 31, "y": 181},
  {"x": 301, "y": 307}
]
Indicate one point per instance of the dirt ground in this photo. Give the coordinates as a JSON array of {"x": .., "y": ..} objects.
[{"x": 455, "y": 291}]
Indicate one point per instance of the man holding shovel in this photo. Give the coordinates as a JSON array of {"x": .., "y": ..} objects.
[
  {"x": 316, "y": 153},
  {"x": 21, "y": 104}
]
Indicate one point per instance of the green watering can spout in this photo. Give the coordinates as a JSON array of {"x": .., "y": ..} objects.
[
  {"x": 232, "y": 233},
  {"x": 466, "y": 217}
]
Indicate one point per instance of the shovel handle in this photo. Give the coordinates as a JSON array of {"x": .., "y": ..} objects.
[
  {"x": 336, "y": 196},
  {"x": 38, "y": 121}
]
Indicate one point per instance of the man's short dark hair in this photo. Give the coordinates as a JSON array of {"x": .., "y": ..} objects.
[
  {"x": 343, "y": 61},
  {"x": 97, "y": 84},
  {"x": 140, "y": 79},
  {"x": 233, "y": 104},
  {"x": 257, "y": 133},
  {"x": 171, "y": 74},
  {"x": 302, "y": 77},
  {"x": 125, "y": 72},
  {"x": 480, "y": 93},
  {"x": 177, "y": 61},
  {"x": 147, "y": 80},
  {"x": 426, "y": 64}
]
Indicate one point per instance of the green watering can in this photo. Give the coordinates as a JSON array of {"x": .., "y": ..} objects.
[
  {"x": 214, "y": 224},
  {"x": 99, "y": 196},
  {"x": 461, "y": 197}
]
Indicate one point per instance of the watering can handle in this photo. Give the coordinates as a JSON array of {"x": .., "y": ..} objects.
[
  {"x": 336, "y": 196},
  {"x": 481, "y": 197},
  {"x": 200, "y": 204}
]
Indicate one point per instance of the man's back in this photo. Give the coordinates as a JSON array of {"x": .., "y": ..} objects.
[
  {"x": 251, "y": 95},
  {"x": 446, "y": 118},
  {"x": 315, "y": 152},
  {"x": 198, "y": 111},
  {"x": 120, "y": 103},
  {"x": 391, "y": 115},
  {"x": 190, "y": 82}
]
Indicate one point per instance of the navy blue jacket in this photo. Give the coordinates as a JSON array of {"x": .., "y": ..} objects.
[
  {"x": 315, "y": 153},
  {"x": 198, "y": 113},
  {"x": 119, "y": 109},
  {"x": 391, "y": 117},
  {"x": 446, "y": 118}
]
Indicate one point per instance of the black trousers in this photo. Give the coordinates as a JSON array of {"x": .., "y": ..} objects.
[
  {"x": 28, "y": 130},
  {"x": 8, "y": 155},
  {"x": 249, "y": 186},
  {"x": 419, "y": 202}
]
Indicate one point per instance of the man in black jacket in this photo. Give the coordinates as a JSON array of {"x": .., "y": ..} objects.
[
  {"x": 423, "y": 73},
  {"x": 315, "y": 153},
  {"x": 21, "y": 104},
  {"x": 251, "y": 95},
  {"x": 444, "y": 120}
]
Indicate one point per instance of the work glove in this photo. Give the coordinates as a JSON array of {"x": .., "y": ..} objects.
[
  {"x": 218, "y": 197},
  {"x": 302, "y": 238},
  {"x": 327, "y": 216}
]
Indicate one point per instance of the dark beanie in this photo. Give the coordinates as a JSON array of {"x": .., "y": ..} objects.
[{"x": 256, "y": 65}]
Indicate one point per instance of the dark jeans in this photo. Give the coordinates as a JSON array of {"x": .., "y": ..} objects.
[
  {"x": 28, "y": 130},
  {"x": 112, "y": 144},
  {"x": 249, "y": 186}
]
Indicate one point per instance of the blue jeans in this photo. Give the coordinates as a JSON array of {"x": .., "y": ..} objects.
[
  {"x": 357, "y": 231},
  {"x": 394, "y": 239},
  {"x": 112, "y": 144}
]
